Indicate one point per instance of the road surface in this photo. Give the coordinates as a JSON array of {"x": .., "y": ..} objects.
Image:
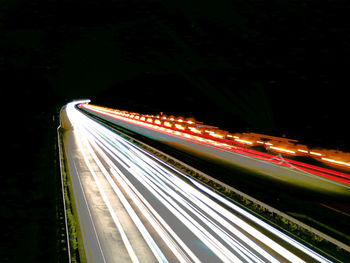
[{"x": 135, "y": 208}]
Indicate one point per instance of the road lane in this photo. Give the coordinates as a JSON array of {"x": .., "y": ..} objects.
[
  {"x": 190, "y": 222},
  {"x": 91, "y": 240},
  {"x": 103, "y": 242}
]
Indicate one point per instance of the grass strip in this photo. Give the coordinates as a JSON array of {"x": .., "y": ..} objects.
[{"x": 75, "y": 236}]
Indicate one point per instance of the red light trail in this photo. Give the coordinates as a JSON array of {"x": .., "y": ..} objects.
[{"x": 192, "y": 134}]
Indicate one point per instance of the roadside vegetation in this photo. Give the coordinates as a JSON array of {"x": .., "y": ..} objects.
[{"x": 77, "y": 252}]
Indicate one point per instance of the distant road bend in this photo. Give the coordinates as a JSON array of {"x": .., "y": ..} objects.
[{"x": 133, "y": 207}]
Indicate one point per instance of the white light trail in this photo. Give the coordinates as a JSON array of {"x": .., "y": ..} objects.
[
  {"x": 73, "y": 115},
  {"x": 222, "y": 232},
  {"x": 271, "y": 229}
]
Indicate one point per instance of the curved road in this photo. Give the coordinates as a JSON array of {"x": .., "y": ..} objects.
[{"x": 134, "y": 208}]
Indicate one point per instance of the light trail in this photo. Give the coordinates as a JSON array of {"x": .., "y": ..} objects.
[
  {"x": 199, "y": 139},
  {"x": 175, "y": 209},
  {"x": 76, "y": 118},
  {"x": 335, "y": 161},
  {"x": 282, "y": 149},
  {"x": 193, "y": 226}
]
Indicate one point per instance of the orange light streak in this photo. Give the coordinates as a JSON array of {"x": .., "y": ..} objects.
[
  {"x": 315, "y": 153},
  {"x": 135, "y": 117},
  {"x": 243, "y": 141},
  {"x": 303, "y": 151},
  {"x": 282, "y": 150},
  {"x": 216, "y": 135},
  {"x": 193, "y": 129},
  {"x": 335, "y": 161},
  {"x": 180, "y": 127},
  {"x": 168, "y": 124}
]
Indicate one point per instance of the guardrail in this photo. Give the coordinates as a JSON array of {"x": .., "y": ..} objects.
[{"x": 62, "y": 186}]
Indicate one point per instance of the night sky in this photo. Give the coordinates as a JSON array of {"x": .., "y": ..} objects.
[
  {"x": 274, "y": 67},
  {"x": 278, "y": 67}
]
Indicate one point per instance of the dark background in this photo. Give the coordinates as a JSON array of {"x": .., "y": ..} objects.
[{"x": 274, "y": 67}]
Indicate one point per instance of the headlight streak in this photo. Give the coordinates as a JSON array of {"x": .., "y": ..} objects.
[
  {"x": 223, "y": 253},
  {"x": 247, "y": 228},
  {"x": 214, "y": 242},
  {"x": 246, "y": 214},
  {"x": 248, "y": 252},
  {"x": 151, "y": 243},
  {"x": 243, "y": 250},
  {"x": 161, "y": 227},
  {"x": 71, "y": 113},
  {"x": 160, "y": 182},
  {"x": 180, "y": 257},
  {"x": 118, "y": 175},
  {"x": 271, "y": 259},
  {"x": 286, "y": 238}
]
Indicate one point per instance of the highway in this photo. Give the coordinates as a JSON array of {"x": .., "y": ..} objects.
[
  {"x": 266, "y": 165},
  {"x": 134, "y": 207}
]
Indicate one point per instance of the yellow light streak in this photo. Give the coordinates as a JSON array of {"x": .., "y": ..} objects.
[
  {"x": 216, "y": 135},
  {"x": 193, "y": 129},
  {"x": 303, "y": 151},
  {"x": 180, "y": 127},
  {"x": 316, "y": 153},
  {"x": 335, "y": 161},
  {"x": 244, "y": 141},
  {"x": 282, "y": 149}
]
